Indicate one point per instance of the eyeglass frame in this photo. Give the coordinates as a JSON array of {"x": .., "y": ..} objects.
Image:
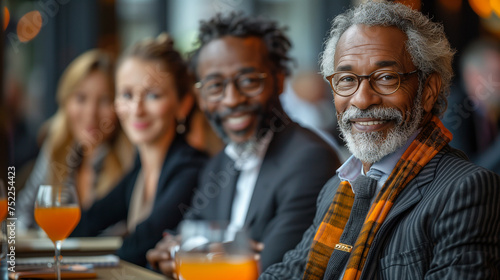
[
  {"x": 367, "y": 77},
  {"x": 199, "y": 85}
]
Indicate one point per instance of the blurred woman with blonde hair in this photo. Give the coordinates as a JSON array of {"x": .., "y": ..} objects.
[
  {"x": 84, "y": 143},
  {"x": 153, "y": 102}
]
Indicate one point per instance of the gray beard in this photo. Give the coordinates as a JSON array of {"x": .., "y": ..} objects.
[
  {"x": 246, "y": 148},
  {"x": 370, "y": 147}
]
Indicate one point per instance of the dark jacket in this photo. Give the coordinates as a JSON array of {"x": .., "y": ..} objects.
[
  {"x": 178, "y": 178},
  {"x": 295, "y": 167},
  {"x": 443, "y": 225}
]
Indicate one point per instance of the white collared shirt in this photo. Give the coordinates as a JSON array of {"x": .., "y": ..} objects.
[{"x": 249, "y": 166}]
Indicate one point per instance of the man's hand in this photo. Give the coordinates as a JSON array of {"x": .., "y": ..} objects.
[
  {"x": 161, "y": 257},
  {"x": 257, "y": 247}
]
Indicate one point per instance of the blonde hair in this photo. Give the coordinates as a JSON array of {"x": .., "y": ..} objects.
[{"x": 60, "y": 142}]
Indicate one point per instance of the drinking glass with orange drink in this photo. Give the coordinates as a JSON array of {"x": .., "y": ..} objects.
[
  {"x": 57, "y": 212},
  {"x": 214, "y": 251},
  {"x": 3, "y": 230},
  {"x": 3, "y": 202}
]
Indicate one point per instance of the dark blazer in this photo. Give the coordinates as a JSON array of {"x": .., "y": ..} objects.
[
  {"x": 444, "y": 225},
  {"x": 178, "y": 178},
  {"x": 296, "y": 166}
]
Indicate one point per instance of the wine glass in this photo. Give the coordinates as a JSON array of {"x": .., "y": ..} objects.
[
  {"x": 3, "y": 202},
  {"x": 212, "y": 250},
  {"x": 57, "y": 212}
]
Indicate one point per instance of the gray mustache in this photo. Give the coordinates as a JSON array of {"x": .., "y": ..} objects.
[{"x": 376, "y": 113}]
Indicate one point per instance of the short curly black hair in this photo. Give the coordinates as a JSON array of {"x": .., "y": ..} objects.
[{"x": 239, "y": 25}]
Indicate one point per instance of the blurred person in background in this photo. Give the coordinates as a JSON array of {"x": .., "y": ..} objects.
[
  {"x": 23, "y": 145},
  {"x": 269, "y": 174},
  {"x": 153, "y": 101},
  {"x": 307, "y": 100},
  {"x": 474, "y": 112},
  {"x": 84, "y": 143}
]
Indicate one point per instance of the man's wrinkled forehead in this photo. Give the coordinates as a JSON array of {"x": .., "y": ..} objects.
[
  {"x": 383, "y": 46},
  {"x": 235, "y": 46}
]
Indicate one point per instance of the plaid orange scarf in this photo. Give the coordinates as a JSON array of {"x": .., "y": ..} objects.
[{"x": 433, "y": 137}]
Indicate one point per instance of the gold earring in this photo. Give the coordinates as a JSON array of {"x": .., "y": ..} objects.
[{"x": 181, "y": 126}]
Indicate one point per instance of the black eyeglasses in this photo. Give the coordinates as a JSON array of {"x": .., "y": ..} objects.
[
  {"x": 248, "y": 84},
  {"x": 383, "y": 82}
]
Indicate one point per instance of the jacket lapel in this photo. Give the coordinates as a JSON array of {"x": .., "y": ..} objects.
[
  {"x": 226, "y": 197},
  {"x": 408, "y": 198},
  {"x": 267, "y": 173},
  {"x": 412, "y": 193},
  {"x": 264, "y": 181},
  {"x": 169, "y": 164}
]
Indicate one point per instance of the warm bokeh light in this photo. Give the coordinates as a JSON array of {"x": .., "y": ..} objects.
[
  {"x": 492, "y": 24},
  {"x": 29, "y": 26},
  {"x": 451, "y": 5},
  {"x": 414, "y": 4},
  {"x": 495, "y": 5},
  {"x": 481, "y": 7},
  {"x": 6, "y": 18}
]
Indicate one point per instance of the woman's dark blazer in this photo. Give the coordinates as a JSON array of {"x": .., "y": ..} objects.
[{"x": 178, "y": 179}]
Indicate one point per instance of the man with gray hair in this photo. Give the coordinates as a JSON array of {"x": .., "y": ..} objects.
[{"x": 406, "y": 205}]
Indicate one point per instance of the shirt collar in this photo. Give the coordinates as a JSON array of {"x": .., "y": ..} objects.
[
  {"x": 352, "y": 168},
  {"x": 250, "y": 157}
]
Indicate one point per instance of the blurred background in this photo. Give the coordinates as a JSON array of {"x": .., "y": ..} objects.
[{"x": 41, "y": 37}]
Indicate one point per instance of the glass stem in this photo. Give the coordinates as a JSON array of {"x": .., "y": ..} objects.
[
  {"x": 4, "y": 240},
  {"x": 58, "y": 259}
]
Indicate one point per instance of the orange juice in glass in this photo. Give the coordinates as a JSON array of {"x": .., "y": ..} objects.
[
  {"x": 3, "y": 201},
  {"x": 214, "y": 250},
  {"x": 57, "y": 212},
  {"x": 193, "y": 267},
  {"x": 3, "y": 228},
  {"x": 3, "y": 209},
  {"x": 57, "y": 222}
]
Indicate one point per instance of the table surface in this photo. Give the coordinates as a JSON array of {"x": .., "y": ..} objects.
[
  {"x": 127, "y": 271},
  {"x": 35, "y": 246},
  {"x": 124, "y": 270}
]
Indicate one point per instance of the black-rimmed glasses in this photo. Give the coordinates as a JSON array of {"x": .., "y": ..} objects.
[
  {"x": 248, "y": 84},
  {"x": 383, "y": 82}
]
